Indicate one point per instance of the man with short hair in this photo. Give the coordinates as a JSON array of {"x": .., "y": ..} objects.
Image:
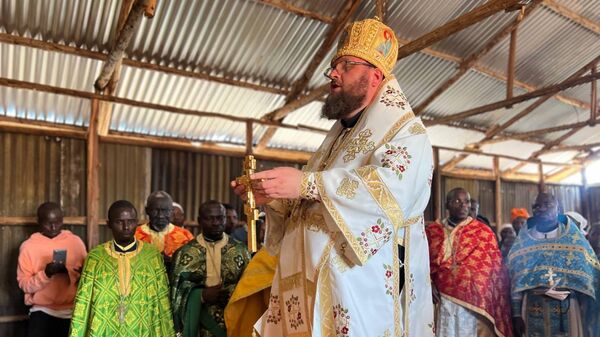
[
  {"x": 178, "y": 216},
  {"x": 204, "y": 273},
  {"x": 338, "y": 224},
  {"x": 474, "y": 213},
  {"x": 123, "y": 289},
  {"x": 159, "y": 231},
  {"x": 470, "y": 283},
  {"x": 555, "y": 276},
  {"x": 232, "y": 221},
  {"x": 50, "y": 285}
]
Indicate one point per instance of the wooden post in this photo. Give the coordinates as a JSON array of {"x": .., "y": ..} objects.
[
  {"x": 437, "y": 185},
  {"x": 542, "y": 186},
  {"x": 511, "y": 65},
  {"x": 593, "y": 103},
  {"x": 93, "y": 185},
  {"x": 498, "y": 195},
  {"x": 249, "y": 137}
]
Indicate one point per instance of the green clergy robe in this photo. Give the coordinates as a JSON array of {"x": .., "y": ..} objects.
[
  {"x": 101, "y": 311},
  {"x": 188, "y": 279}
]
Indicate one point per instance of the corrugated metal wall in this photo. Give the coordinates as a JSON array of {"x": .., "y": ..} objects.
[
  {"x": 34, "y": 169},
  {"x": 593, "y": 195}
]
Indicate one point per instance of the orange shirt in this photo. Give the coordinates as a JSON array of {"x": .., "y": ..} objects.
[
  {"x": 56, "y": 292},
  {"x": 167, "y": 241}
]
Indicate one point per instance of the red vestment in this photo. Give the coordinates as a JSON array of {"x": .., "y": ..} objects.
[{"x": 467, "y": 269}]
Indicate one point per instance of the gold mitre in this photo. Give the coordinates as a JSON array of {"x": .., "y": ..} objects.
[{"x": 371, "y": 41}]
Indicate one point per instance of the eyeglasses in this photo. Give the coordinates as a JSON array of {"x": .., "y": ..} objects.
[
  {"x": 342, "y": 67},
  {"x": 458, "y": 202}
]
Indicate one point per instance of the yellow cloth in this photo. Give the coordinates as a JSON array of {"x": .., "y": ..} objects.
[
  {"x": 213, "y": 259},
  {"x": 250, "y": 297}
]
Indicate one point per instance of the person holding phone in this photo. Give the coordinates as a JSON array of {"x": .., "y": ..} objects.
[{"x": 48, "y": 271}]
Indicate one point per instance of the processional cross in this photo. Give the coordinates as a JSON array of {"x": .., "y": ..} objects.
[{"x": 250, "y": 204}]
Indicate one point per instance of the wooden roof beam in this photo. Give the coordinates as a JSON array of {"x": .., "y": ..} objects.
[
  {"x": 293, "y": 101},
  {"x": 106, "y": 108},
  {"x": 49, "y": 129},
  {"x": 340, "y": 22},
  {"x": 57, "y": 47},
  {"x": 575, "y": 17},
  {"x": 130, "y": 102},
  {"x": 518, "y": 99},
  {"x": 117, "y": 53},
  {"x": 495, "y": 131},
  {"x": 468, "y": 62},
  {"x": 297, "y": 10},
  {"x": 476, "y": 15},
  {"x": 381, "y": 9}
]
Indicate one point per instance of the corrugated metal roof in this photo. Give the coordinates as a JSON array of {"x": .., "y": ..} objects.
[
  {"x": 250, "y": 41},
  {"x": 550, "y": 48}
]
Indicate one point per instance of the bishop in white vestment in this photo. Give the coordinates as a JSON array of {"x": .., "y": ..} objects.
[{"x": 337, "y": 225}]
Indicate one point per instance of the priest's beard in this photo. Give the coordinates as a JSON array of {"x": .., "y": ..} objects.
[{"x": 340, "y": 105}]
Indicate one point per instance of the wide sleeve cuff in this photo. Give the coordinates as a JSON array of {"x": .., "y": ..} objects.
[{"x": 308, "y": 187}]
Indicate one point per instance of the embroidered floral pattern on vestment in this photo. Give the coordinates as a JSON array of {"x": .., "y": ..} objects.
[
  {"x": 393, "y": 97},
  {"x": 347, "y": 188},
  {"x": 342, "y": 320},
  {"x": 274, "y": 312},
  {"x": 389, "y": 279},
  {"x": 294, "y": 313},
  {"x": 396, "y": 158},
  {"x": 374, "y": 237}
]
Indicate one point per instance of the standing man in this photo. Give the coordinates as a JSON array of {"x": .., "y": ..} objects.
[
  {"x": 178, "y": 217},
  {"x": 50, "y": 285},
  {"x": 474, "y": 213},
  {"x": 204, "y": 274},
  {"x": 232, "y": 221},
  {"x": 337, "y": 225},
  {"x": 159, "y": 231},
  {"x": 123, "y": 289},
  {"x": 470, "y": 283},
  {"x": 555, "y": 275}
]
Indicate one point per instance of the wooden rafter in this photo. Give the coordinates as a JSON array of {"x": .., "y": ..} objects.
[
  {"x": 297, "y": 10},
  {"x": 381, "y": 10},
  {"x": 583, "y": 147},
  {"x": 17, "y": 125},
  {"x": 134, "y": 18},
  {"x": 518, "y": 99},
  {"x": 476, "y": 15},
  {"x": 130, "y": 102},
  {"x": 106, "y": 108},
  {"x": 472, "y": 59},
  {"x": 568, "y": 13},
  {"x": 293, "y": 101},
  {"x": 495, "y": 131},
  {"x": 61, "y": 48},
  {"x": 300, "y": 85}
]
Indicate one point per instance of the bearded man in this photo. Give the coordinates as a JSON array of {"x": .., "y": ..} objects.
[{"x": 340, "y": 224}]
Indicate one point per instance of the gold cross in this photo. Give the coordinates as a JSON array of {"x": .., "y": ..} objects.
[{"x": 250, "y": 204}]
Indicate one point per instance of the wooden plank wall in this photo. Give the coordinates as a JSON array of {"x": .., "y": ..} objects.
[
  {"x": 35, "y": 169},
  {"x": 593, "y": 194}
]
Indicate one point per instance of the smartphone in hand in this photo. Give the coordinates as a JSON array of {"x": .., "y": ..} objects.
[{"x": 60, "y": 256}]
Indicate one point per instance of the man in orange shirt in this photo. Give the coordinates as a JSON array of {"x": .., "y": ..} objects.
[
  {"x": 50, "y": 285},
  {"x": 159, "y": 231}
]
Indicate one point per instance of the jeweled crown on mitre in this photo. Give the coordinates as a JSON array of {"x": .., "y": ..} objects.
[{"x": 372, "y": 41}]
